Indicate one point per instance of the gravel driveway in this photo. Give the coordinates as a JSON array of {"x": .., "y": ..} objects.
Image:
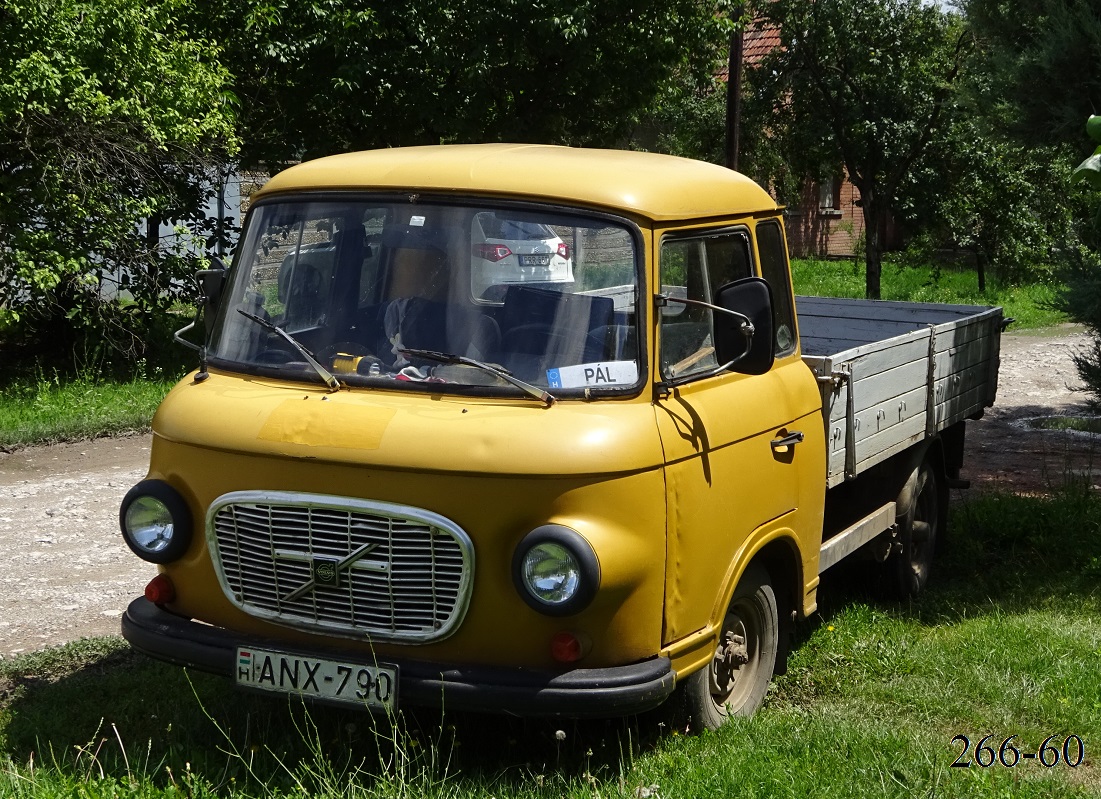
[{"x": 68, "y": 574}]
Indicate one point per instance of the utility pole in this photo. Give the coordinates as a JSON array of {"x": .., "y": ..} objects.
[{"x": 734, "y": 94}]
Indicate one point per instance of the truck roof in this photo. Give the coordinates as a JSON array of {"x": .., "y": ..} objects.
[{"x": 658, "y": 187}]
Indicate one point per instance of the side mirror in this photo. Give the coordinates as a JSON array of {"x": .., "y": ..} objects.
[
  {"x": 746, "y": 347},
  {"x": 212, "y": 283}
]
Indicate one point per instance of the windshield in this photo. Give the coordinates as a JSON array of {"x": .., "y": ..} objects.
[{"x": 379, "y": 292}]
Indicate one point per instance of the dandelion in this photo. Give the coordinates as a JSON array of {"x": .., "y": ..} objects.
[{"x": 560, "y": 735}]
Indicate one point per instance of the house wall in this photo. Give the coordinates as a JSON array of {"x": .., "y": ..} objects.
[
  {"x": 830, "y": 224},
  {"x": 821, "y": 231}
]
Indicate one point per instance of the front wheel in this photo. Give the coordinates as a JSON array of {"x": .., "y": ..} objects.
[{"x": 735, "y": 681}]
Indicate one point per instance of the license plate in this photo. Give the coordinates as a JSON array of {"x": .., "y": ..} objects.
[
  {"x": 535, "y": 260},
  {"x": 374, "y": 687}
]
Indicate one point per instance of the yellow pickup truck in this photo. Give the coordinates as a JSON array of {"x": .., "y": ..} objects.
[{"x": 535, "y": 430}]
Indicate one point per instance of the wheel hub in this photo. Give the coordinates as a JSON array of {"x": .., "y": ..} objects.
[{"x": 731, "y": 654}]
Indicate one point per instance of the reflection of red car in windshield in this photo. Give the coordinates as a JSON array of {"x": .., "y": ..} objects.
[{"x": 505, "y": 251}]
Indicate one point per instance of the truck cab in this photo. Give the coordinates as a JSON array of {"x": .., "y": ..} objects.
[{"x": 571, "y": 472}]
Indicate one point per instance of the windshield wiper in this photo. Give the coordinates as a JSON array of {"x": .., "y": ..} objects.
[
  {"x": 447, "y": 357},
  {"x": 326, "y": 375}
]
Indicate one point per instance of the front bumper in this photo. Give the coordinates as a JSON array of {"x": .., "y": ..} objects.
[{"x": 578, "y": 693}]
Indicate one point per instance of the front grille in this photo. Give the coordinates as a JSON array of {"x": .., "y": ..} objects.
[{"x": 344, "y": 566}]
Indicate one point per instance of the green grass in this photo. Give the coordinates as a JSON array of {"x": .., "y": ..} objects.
[
  {"x": 39, "y": 410},
  {"x": 1031, "y": 305},
  {"x": 1006, "y": 642},
  {"x": 1082, "y": 424}
]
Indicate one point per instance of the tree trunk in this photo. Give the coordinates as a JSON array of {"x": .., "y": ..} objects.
[{"x": 873, "y": 244}]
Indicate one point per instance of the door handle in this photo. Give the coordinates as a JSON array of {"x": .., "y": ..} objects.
[{"x": 789, "y": 440}]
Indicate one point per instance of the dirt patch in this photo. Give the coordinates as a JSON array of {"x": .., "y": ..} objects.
[
  {"x": 1037, "y": 380},
  {"x": 68, "y": 573}
]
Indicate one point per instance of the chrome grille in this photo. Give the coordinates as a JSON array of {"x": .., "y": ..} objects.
[{"x": 344, "y": 566}]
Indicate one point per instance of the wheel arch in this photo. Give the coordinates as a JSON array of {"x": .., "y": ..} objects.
[
  {"x": 781, "y": 559},
  {"x": 933, "y": 452}
]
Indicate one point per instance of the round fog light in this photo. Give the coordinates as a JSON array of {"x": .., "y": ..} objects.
[{"x": 155, "y": 521}]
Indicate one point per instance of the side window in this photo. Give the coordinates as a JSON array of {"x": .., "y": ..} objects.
[
  {"x": 695, "y": 268},
  {"x": 774, "y": 269}
]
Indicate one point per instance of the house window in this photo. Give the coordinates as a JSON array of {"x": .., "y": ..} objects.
[{"x": 829, "y": 197}]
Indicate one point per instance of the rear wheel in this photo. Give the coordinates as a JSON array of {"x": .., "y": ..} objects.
[
  {"x": 922, "y": 508},
  {"x": 734, "y": 683}
]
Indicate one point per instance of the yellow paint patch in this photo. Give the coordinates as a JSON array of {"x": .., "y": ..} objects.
[{"x": 313, "y": 423}]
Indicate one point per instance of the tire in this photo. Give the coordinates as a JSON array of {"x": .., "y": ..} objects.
[
  {"x": 922, "y": 510},
  {"x": 734, "y": 683}
]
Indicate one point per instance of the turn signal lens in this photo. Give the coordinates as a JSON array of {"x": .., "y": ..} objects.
[
  {"x": 566, "y": 648},
  {"x": 160, "y": 590}
]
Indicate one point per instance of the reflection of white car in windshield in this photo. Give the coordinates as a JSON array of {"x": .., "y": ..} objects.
[{"x": 506, "y": 251}]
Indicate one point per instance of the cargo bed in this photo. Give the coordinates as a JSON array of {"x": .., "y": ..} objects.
[{"x": 893, "y": 373}]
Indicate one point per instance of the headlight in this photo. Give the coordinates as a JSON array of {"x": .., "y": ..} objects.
[
  {"x": 155, "y": 521},
  {"x": 551, "y": 573},
  {"x": 556, "y": 570}
]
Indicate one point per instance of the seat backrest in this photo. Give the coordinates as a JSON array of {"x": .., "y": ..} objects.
[
  {"x": 418, "y": 272},
  {"x": 303, "y": 294},
  {"x": 558, "y": 309},
  {"x": 616, "y": 342},
  {"x": 543, "y": 329}
]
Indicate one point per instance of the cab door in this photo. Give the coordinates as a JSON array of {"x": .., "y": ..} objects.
[{"x": 735, "y": 469}]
